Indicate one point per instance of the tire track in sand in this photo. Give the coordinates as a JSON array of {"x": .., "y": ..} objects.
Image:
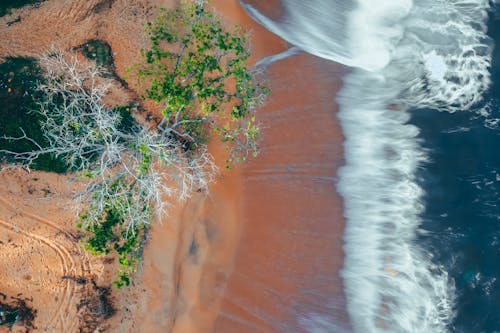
[{"x": 68, "y": 266}]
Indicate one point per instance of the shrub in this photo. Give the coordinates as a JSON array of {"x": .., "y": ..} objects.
[{"x": 196, "y": 69}]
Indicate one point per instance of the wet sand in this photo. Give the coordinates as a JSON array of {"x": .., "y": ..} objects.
[
  {"x": 190, "y": 257},
  {"x": 290, "y": 252},
  {"x": 264, "y": 246},
  {"x": 270, "y": 8}
]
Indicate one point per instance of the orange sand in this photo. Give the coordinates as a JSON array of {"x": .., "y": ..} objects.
[
  {"x": 38, "y": 248},
  {"x": 290, "y": 250},
  {"x": 261, "y": 248},
  {"x": 37, "y": 219},
  {"x": 271, "y": 8}
]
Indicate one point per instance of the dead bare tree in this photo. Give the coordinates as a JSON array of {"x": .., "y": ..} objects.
[{"x": 137, "y": 171}]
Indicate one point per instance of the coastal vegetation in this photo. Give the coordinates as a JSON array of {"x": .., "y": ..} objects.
[
  {"x": 96, "y": 306},
  {"x": 196, "y": 69},
  {"x": 130, "y": 171}
]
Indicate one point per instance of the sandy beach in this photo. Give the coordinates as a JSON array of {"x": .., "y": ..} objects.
[
  {"x": 260, "y": 253},
  {"x": 289, "y": 255},
  {"x": 290, "y": 251}
]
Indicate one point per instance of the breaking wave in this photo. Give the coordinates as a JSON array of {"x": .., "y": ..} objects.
[{"x": 405, "y": 55}]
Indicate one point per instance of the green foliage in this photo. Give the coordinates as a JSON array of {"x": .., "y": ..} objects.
[
  {"x": 103, "y": 234},
  {"x": 112, "y": 231},
  {"x": 196, "y": 69},
  {"x": 113, "y": 235}
]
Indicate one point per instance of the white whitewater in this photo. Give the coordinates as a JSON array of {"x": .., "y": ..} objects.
[{"x": 405, "y": 54}]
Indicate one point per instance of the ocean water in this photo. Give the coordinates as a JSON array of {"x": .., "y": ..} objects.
[
  {"x": 461, "y": 180},
  {"x": 420, "y": 114}
]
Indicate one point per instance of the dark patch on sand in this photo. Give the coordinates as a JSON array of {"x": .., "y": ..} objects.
[
  {"x": 95, "y": 307},
  {"x": 16, "y": 311}
]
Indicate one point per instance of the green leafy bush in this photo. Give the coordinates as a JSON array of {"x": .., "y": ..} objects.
[
  {"x": 114, "y": 235},
  {"x": 196, "y": 69}
]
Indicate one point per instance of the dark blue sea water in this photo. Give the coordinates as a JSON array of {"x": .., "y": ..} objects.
[{"x": 461, "y": 221}]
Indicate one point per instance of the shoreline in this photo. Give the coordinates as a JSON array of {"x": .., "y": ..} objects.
[
  {"x": 269, "y": 234},
  {"x": 216, "y": 289},
  {"x": 290, "y": 251}
]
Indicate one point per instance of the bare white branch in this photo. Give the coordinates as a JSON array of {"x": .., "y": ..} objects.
[{"x": 139, "y": 171}]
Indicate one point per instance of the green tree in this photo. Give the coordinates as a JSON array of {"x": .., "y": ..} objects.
[{"x": 197, "y": 70}]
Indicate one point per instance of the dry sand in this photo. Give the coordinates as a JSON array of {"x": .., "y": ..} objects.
[
  {"x": 263, "y": 247},
  {"x": 39, "y": 251}
]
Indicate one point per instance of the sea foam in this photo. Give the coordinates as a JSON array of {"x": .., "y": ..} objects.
[{"x": 405, "y": 55}]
